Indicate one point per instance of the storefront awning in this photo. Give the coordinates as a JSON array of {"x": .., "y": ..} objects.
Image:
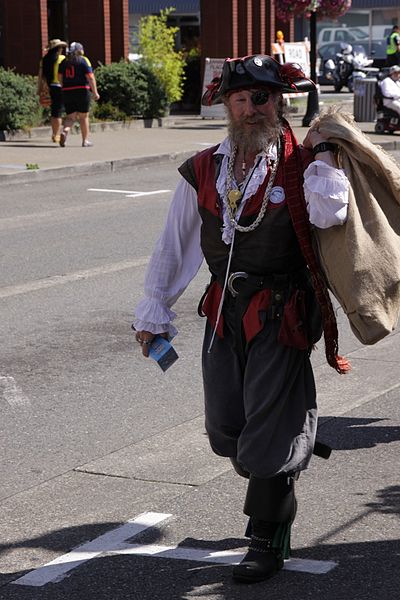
[
  {"x": 147, "y": 7},
  {"x": 193, "y": 6},
  {"x": 374, "y": 4}
]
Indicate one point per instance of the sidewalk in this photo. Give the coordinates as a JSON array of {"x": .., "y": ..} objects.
[{"x": 120, "y": 146}]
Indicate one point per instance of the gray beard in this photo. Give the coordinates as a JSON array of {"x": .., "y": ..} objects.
[{"x": 256, "y": 140}]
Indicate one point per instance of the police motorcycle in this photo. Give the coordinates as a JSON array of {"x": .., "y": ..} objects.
[
  {"x": 348, "y": 65},
  {"x": 387, "y": 120}
]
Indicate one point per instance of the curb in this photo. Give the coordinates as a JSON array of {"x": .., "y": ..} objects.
[{"x": 108, "y": 166}]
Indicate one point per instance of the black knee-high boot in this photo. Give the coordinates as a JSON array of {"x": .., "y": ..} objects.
[{"x": 271, "y": 504}]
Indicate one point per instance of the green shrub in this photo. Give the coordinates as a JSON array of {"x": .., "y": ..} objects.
[
  {"x": 130, "y": 89},
  {"x": 19, "y": 104},
  {"x": 157, "y": 47},
  {"x": 157, "y": 96},
  {"x": 107, "y": 112}
]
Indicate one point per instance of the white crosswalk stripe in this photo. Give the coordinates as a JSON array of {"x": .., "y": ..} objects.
[{"x": 115, "y": 543}]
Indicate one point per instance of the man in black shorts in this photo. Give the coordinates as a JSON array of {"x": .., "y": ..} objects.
[{"x": 77, "y": 80}]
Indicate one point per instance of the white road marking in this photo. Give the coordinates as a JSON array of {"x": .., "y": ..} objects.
[
  {"x": 129, "y": 193},
  {"x": 56, "y": 570},
  {"x": 18, "y": 167},
  {"x": 225, "y": 557},
  {"x": 11, "y": 392},
  {"x": 40, "y": 284},
  {"x": 114, "y": 543},
  {"x": 60, "y": 214}
]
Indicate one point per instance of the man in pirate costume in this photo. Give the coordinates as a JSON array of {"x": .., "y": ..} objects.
[{"x": 247, "y": 206}]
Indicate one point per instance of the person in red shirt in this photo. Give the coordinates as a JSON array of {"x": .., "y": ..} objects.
[{"x": 77, "y": 79}]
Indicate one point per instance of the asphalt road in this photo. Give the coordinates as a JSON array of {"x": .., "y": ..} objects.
[{"x": 93, "y": 435}]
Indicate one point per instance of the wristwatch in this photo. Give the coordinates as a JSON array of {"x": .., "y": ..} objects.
[{"x": 324, "y": 147}]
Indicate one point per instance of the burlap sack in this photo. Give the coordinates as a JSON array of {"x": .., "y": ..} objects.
[{"x": 361, "y": 259}]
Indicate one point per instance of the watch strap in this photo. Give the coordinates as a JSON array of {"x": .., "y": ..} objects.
[{"x": 324, "y": 147}]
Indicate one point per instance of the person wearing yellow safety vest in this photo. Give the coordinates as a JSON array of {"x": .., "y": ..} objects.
[{"x": 393, "y": 47}]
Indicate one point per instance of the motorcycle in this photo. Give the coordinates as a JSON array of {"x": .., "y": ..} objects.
[
  {"x": 348, "y": 65},
  {"x": 362, "y": 68}
]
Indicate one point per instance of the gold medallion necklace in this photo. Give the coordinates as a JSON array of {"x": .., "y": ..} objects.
[{"x": 234, "y": 197}]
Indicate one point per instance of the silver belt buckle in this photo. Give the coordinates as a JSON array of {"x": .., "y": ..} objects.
[{"x": 231, "y": 279}]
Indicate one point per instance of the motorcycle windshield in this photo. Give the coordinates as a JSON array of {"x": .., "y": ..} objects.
[{"x": 359, "y": 50}]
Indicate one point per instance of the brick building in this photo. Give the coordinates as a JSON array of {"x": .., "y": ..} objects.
[
  {"x": 238, "y": 27},
  {"x": 103, "y": 27},
  {"x": 27, "y": 25}
]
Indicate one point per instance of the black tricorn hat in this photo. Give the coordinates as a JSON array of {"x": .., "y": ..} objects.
[{"x": 255, "y": 71}]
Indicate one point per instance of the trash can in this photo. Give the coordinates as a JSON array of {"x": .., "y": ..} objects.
[{"x": 364, "y": 106}]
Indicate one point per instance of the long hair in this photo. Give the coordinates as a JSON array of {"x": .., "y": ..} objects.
[
  {"x": 48, "y": 64},
  {"x": 74, "y": 56}
]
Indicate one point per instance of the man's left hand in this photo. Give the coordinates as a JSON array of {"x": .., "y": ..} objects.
[{"x": 313, "y": 138}]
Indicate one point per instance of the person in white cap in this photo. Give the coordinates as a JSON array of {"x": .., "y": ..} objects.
[
  {"x": 241, "y": 206},
  {"x": 77, "y": 80},
  {"x": 390, "y": 88}
]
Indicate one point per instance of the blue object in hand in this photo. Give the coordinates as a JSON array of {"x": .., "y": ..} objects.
[{"x": 162, "y": 351}]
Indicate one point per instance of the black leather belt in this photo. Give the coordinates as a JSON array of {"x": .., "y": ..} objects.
[
  {"x": 243, "y": 283},
  {"x": 242, "y": 286},
  {"x": 240, "y": 282}
]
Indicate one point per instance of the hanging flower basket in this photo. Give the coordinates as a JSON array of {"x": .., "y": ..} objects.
[
  {"x": 333, "y": 8},
  {"x": 286, "y": 9}
]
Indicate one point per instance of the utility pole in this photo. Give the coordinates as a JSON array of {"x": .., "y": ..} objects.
[{"x": 312, "y": 99}]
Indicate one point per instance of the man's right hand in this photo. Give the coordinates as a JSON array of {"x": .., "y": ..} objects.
[{"x": 144, "y": 338}]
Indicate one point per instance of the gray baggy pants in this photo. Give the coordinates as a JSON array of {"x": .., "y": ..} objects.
[{"x": 265, "y": 415}]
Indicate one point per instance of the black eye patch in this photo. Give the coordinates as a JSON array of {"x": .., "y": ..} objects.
[{"x": 260, "y": 97}]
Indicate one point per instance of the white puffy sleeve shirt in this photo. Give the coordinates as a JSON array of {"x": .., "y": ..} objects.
[
  {"x": 390, "y": 89},
  {"x": 177, "y": 255}
]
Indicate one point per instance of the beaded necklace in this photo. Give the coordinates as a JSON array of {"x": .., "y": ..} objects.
[{"x": 234, "y": 196}]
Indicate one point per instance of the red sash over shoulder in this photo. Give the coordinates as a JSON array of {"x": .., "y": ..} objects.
[{"x": 298, "y": 212}]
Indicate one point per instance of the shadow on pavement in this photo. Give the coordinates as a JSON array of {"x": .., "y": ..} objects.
[
  {"x": 24, "y": 144},
  {"x": 347, "y": 433},
  {"x": 365, "y": 570}
]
